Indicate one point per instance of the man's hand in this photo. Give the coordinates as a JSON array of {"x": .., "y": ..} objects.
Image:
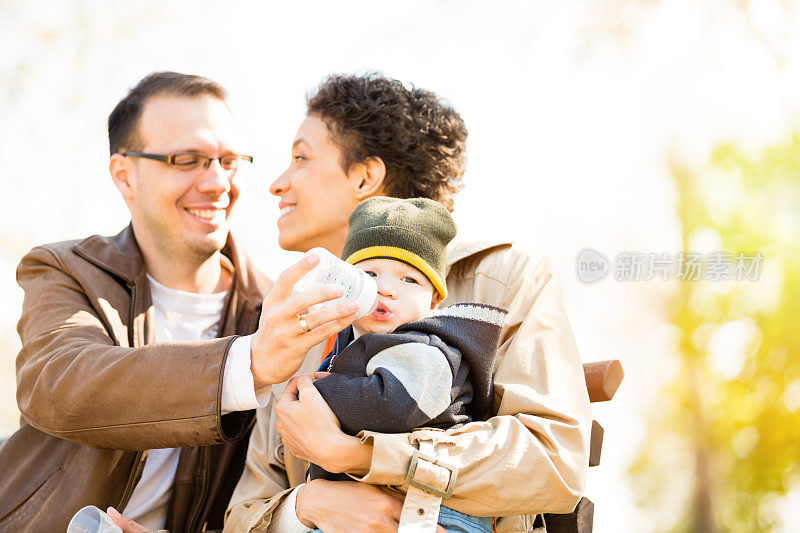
[
  {"x": 126, "y": 524},
  {"x": 281, "y": 342},
  {"x": 311, "y": 431},
  {"x": 349, "y": 506}
]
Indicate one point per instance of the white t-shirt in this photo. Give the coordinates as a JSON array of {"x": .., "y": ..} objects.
[{"x": 186, "y": 316}]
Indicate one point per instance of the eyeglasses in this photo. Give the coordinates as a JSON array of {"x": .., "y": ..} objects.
[{"x": 191, "y": 161}]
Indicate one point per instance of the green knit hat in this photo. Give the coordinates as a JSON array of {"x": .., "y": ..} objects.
[{"x": 414, "y": 231}]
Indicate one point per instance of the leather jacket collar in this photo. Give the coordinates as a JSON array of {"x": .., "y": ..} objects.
[{"x": 121, "y": 256}]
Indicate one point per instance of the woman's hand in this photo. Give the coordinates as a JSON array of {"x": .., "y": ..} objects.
[
  {"x": 311, "y": 431},
  {"x": 280, "y": 344},
  {"x": 349, "y": 506}
]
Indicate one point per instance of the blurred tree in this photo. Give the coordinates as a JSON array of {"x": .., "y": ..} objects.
[{"x": 727, "y": 425}]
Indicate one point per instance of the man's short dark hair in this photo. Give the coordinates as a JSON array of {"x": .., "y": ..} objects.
[
  {"x": 421, "y": 140},
  {"x": 124, "y": 119}
]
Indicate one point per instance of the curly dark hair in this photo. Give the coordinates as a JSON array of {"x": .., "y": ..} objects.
[{"x": 420, "y": 138}]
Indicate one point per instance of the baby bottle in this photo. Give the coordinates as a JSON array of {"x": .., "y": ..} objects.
[
  {"x": 90, "y": 519},
  {"x": 358, "y": 285}
]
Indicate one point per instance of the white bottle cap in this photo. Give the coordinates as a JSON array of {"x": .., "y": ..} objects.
[{"x": 368, "y": 297}]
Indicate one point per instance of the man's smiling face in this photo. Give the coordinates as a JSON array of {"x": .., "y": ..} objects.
[{"x": 183, "y": 212}]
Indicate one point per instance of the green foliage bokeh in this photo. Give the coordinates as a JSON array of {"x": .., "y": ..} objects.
[{"x": 724, "y": 443}]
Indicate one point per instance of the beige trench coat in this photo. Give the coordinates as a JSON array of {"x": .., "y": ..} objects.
[{"x": 532, "y": 457}]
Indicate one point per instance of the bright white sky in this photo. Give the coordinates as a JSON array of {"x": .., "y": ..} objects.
[{"x": 572, "y": 107}]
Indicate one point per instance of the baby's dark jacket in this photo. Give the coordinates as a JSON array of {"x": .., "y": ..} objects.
[{"x": 435, "y": 372}]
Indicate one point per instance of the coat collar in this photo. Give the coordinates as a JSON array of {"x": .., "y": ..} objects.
[
  {"x": 463, "y": 250},
  {"x": 121, "y": 256}
]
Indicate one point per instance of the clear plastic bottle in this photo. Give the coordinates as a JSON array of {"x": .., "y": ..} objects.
[
  {"x": 358, "y": 285},
  {"x": 90, "y": 519}
]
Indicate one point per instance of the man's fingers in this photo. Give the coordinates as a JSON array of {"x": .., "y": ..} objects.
[
  {"x": 320, "y": 333},
  {"x": 284, "y": 285},
  {"x": 126, "y": 524},
  {"x": 302, "y": 300},
  {"x": 327, "y": 314}
]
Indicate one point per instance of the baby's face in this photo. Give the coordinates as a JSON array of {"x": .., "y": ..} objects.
[{"x": 404, "y": 295}]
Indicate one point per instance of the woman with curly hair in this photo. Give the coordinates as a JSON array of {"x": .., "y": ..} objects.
[
  {"x": 371, "y": 134},
  {"x": 365, "y": 136}
]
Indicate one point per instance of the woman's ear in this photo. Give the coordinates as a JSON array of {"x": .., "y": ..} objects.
[{"x": 372, "y": 177}]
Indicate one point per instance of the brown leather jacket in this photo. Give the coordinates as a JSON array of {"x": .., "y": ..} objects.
[{"x": 96, "y": 393}]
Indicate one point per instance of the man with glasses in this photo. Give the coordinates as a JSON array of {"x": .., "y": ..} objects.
[{"x": 143, "y": 354}]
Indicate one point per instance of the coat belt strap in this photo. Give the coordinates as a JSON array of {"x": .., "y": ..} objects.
[
  {"x": 429, "y": 479},
  {"x": 295, "y": 468}
]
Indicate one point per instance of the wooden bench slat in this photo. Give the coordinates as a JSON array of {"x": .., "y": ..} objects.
[
  {"x": 603, "y": 379},
  {"x": 596, "y": 444}
]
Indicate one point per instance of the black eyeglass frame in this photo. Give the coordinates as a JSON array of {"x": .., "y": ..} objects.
[{"x": 170, "y": 159}]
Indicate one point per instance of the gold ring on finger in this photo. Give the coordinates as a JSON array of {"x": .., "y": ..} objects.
[{"x": 303, "y": 324}]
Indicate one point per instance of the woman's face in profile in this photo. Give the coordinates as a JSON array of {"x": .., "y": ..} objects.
[{"x": 316, "y": 194}]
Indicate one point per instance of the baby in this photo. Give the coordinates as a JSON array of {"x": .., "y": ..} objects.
[{"x": 407, "y": 364}]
